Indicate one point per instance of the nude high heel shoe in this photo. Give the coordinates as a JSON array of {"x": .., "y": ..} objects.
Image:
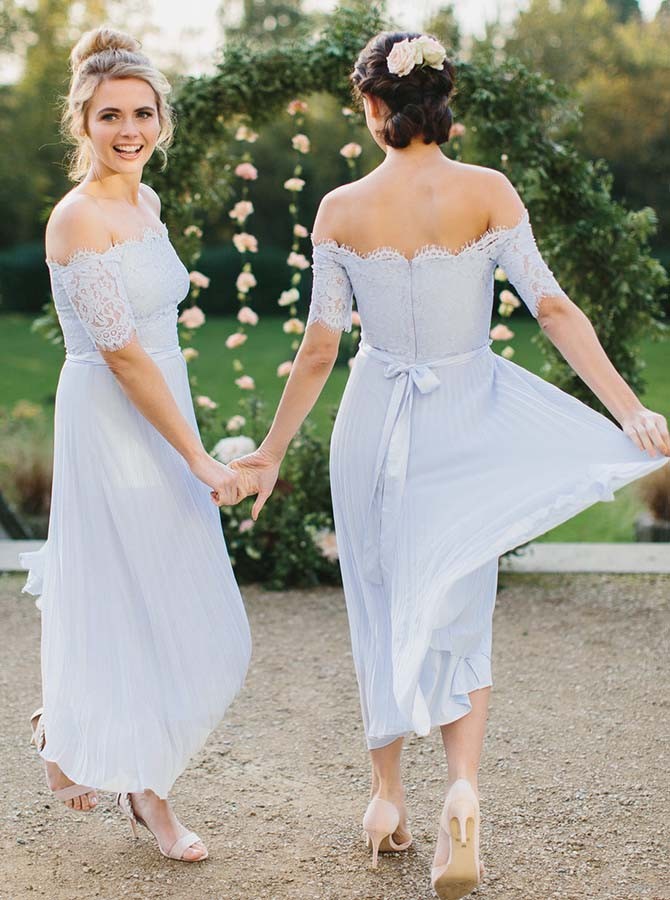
[
  {"x": 380, "y": 822},
  {"x": 459, "y": 821},
  {"x": 176, "y": 851},
  {"x": 39, "y": 740}
]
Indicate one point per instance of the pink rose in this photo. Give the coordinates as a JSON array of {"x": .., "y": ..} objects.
[
  {"x": 245, "y": 383},
  {"x": 247, "y": 316},
  {"x": 293, "y": 326},
  {"x": 351, "y": 151},
  {"x": 296, "y": 106},
  {"x": 500, "y": 274},
  {"x": 347, "y": 111},
  {"x": 289, "y": 297},
  {"x": 244, "y": 133},
  {"x": 245, "y": 525},
  {"x": 501, "y": 333},
  {"x": 284, "y": 368},
  {"x": 189, "y": 353},
  {"x": 241, "y": 211},
  {"x": 457, "y": 130},
  {"x": 246, "y": 171},
  {"x": 355, "y": 319},
  {"x": 245, "y": 242},
  {"x": 300, "y": 143},
  {"x": 300, "y": 231},
  {"x": 193, "y": 230},
  {"x": 245, "y": 281},
  {"x": 235, "y": 340},
  {"x": 326, "y": 542},
  {"x": 192, "y": 317},
  {"x": 297, "y": 260},
  {"x": 205, "y": 402},
  {"x": 510, "y": 299},
  {"x": 507, "y": 352},
  {"x": 294, "y": 184},
  {"x": 198, "y": 280},
  {"x": 235, "y": 423}
]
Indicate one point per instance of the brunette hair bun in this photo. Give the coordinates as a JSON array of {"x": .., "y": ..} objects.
[{"x": 418, "y": 102}]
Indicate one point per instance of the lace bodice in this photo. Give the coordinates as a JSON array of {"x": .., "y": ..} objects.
[
  {"x": 438, "y": 302},
  {"x": 104, "y": 298}
]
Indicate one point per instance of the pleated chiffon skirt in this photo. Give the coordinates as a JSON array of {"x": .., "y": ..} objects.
[
  {"x": 145, "y": 640},
  {"x": 437, "y": 470}
]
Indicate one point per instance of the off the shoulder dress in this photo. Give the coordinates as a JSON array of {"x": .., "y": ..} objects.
[
  {"x": 145, "y": 640},
  {"x": 444, "y": 456}
]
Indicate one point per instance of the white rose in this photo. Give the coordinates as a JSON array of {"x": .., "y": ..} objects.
[
  {"x": 402, "y": 58},
  {"x": 230, "y": 448},
  {"x": 432, "y": 52}
]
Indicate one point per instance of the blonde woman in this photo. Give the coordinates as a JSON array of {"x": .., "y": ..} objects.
[
  {"x": 444, "y": 455},
  {"x": 145, "y": 640}
]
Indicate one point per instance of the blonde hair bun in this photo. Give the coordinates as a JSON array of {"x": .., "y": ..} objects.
[{"x": 98, "y": 41}]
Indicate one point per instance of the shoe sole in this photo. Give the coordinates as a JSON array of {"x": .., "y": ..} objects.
[{"x": 462, "y": 876}]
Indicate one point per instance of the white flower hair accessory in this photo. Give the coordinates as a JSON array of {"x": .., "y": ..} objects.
[{"x": 411, "y": 52}]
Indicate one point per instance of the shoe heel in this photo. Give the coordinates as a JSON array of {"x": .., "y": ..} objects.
[
  {"x": 459, "y": 828},
  {"x": 375, "y": 838}
]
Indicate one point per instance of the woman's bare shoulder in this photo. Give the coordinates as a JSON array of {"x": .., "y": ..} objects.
[
  {"x": 75, "y": 223},
  {"x": 495, "y": 192}
]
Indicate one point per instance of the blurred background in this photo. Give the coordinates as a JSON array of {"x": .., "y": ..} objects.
[{"x": 611, "y": 56}]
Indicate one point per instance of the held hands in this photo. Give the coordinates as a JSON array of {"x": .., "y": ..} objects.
[
  {"x": 258, "y": 473},
  {"x": 224, "y": 484},
  {"x": 649, "y": 430}
]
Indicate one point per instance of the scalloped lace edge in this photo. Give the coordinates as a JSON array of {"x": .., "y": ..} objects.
[
  {"x": 147, "y": 234},
  {"x": 427, "y": 251}
]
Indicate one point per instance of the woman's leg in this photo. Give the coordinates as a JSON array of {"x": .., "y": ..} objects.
[
  {"x": 387, "y": 782},
  {"x": 463, "y": 742},
  {"x": 464, "y": 739}
]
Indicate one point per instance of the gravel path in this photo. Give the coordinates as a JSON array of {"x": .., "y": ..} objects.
[{"x": 574, "y": 787}]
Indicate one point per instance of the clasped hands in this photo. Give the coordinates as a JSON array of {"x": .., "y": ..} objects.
[{"x": 252, "y": 475}]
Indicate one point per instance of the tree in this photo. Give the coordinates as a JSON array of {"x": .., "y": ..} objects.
[
  {"x": 263, "y": 22},
  {"x": 624, "y": 10}
]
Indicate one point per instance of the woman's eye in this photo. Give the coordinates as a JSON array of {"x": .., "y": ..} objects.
[
  {"x": 145, "y": 114},
  {"x": 108, "y": 117}
]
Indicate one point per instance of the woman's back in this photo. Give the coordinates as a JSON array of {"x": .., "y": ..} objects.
[
  {"x": 415, "y": 245},
  {"x": 426, "y": 199}
]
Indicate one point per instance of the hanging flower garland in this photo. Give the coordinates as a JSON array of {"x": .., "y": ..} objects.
[
  {"x": 296, "y": 259},
  {"x": 351, "y": 152},
  {"x": 245, "y": 244},
  {"x": 508, "y": 303}
]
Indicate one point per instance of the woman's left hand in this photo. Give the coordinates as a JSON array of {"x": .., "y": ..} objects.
[{"x": 258, "y": 473}]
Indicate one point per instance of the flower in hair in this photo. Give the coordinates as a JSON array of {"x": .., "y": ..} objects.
[{"x": 411, "y": 52}]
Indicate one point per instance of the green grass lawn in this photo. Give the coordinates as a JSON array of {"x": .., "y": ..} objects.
[{"x": 30, "y": 371}]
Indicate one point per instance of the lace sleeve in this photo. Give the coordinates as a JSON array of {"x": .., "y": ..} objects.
[
  {"x": 518, "y": 254},
  {"x": 94, "y": 286},
  {"x": 332, "y": 293}
]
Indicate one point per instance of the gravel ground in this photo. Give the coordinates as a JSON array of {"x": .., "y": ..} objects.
[{"x": 574, "y": 786}]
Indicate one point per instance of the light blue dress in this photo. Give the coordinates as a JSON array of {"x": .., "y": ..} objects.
[
  {"x": 145, "y": 641},
  {"x": 444, "y": 456}
]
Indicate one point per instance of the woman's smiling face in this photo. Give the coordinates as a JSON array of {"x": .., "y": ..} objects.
[{"x": 123, "y": 124}]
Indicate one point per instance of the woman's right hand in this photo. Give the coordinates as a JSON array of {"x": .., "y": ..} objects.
[
  {"x": 649, "y": 430},
  {"x": 223, "y": 482},
  {"x": 258, "y": 472}
]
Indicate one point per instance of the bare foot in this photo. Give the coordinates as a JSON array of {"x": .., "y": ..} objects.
[
  {"x": 57, "y": 780},
  {"x": 165, "y": 826}
]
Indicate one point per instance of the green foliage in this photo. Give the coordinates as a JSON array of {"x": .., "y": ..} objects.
[{"x": 598, "y": 249}]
